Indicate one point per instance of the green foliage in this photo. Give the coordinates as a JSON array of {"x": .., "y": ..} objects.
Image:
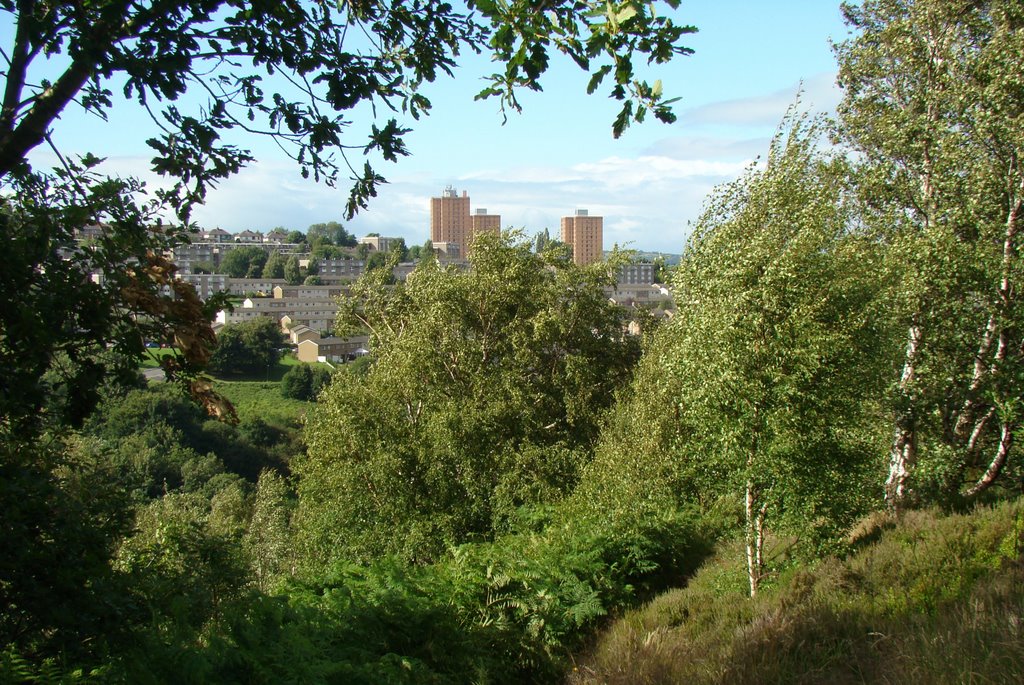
[
  {"x": 377, "y": 260},
  {"x": 932, "y": 110},
  {"x": 759, "y": 391},
  {"x": 305, "y": 382},
  {"x": 63, "y": 512},
  {"x": 507, "y": 612},
  {"x": 292, "y": 272},
  {"x": 106, "y": 43},
  {"x": 427, "y": 253},
  {"x": 181, "y": 565},
  {"x": 153, "y": 438},
  {"x": 245, "y": 262},
  {"x": 613, "y": 31},
  {"x": 267, "y": 542},
  {"x": 399, "y": 247},
  {"x": 249, "y": 347},
  {"x": 70, "y": 336},
  {"x": 274, "y": 267},
  {"x": 263, "y": 400},
  {"x": 485, "y": 394},
  {"x": 69, "y": 333},
  {"x": 333, "y": 232}
]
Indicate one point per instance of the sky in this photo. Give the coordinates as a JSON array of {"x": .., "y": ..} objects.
[{"x": 750, "y": 59}]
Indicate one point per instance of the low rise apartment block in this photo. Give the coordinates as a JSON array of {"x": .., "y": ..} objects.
[
  {"x": 332, "y": 349},
  {"x": 318, "y": 315}
]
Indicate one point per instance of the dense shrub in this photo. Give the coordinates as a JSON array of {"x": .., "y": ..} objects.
[
  {"x": 304, "y": 382},
  {"x": 510, "y": 611}
]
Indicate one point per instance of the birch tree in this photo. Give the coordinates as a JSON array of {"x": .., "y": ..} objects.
[
  {"x": 772, "y": 343},
  {"x": 932, "y": 107}
]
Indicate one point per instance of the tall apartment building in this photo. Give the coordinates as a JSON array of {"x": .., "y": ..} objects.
[
  {"x": 452, "y": 222},
  {"x": 585, "y": 235},
  {"x": 485, "y": 223}
]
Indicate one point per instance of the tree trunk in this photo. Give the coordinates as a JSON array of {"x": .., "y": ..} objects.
[
  {"x": 754, "y": 534},
  {"x": 995, "y": 467},
  {"x": 983, "y": 368},
  {"x": 903, "y": 453}
]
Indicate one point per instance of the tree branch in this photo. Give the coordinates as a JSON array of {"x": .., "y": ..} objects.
[
  {"x": 31, "y": 130},
  {"x": 18, "y": 69}
]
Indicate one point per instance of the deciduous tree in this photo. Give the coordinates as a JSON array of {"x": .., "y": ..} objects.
[
  {"x": 249, "y": 347},
  {"x": 292, "y": 271},
  {"x": 756, "y": 394},
  {"x": 486, "y": 394},
  {"x": 206, "y": 70},
  {"x": 244, "y": 262},
  {"x": 932, "y": 106},
  {"x": 274, "y": 266}
]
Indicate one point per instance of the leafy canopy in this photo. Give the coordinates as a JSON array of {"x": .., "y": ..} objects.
[
  {"x": 248, "y": 347},
  {"x": 932, "y": 109},
  {"x": 485, "y": 394},
  {"x": 298, "y": 72}
]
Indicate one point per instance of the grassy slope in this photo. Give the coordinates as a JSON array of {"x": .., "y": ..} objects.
[
  {"x": 256, "y": 396},
  {"x": 259, "y": 396},
  {"x": 936, "y": 599},
  {"x": 153, "y": 355},
  {"x": 263, "y": 400}
]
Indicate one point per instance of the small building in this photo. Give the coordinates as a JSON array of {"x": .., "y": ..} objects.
[
  {"x": 341, "y": 268},
  {"x": 276, "y": 237},
  {"x": 332, "y": 349},
  {"x": 447, "y": 250},
  {"x": 378, "y": 243},
  {"x": 638, "y": 273},
  {"x": 302, "y": 332},
  {"x": 206, "y": 285},
  {"x": 216, "y": 235},
  {"x": 249, "y": 237},
  {"x": 244, "y": 286},
  {"x": 309, "y": 292},
  {"x": 639, "y": 295}
]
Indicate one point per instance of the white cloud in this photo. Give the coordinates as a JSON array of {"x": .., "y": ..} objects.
[
  {"x": 709, "y": 147},
  {"x": 819, "y": 94},
  {"x": 647, "y": 200}
]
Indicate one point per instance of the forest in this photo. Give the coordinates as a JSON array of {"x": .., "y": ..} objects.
[{"x": 810, "y": 473}]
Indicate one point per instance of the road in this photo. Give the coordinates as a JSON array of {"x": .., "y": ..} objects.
[{"x": 154, "y": 374}]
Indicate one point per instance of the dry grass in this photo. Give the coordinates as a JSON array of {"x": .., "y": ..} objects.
[{"x": 934, "y": 599}]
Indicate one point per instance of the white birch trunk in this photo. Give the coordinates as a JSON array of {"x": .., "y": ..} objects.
[
  {"x": 903, "y": 453},
  {"x": 995, "y": 467},
  {"x": 752, "y": 569},
  {"x": 982, "y": 367},
  {"x": 755, "y": 513}
]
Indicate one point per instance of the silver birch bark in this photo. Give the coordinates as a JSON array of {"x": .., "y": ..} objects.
[{"x": 903, "y": 452}]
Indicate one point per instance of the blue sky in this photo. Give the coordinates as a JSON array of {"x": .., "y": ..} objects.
[{"x": 559, "y": 154}]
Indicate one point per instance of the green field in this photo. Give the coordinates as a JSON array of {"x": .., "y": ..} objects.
[
  {"x": 151, "y": 360},
  {"x": 263, "y": 400},
  {"x": 259, "y": 395},
  {"x": 254, "y": 395}
]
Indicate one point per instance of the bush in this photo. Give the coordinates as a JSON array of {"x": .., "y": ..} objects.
[
  {"x": 304, "y": 382},
  {"x": 250, "y": 347}
]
